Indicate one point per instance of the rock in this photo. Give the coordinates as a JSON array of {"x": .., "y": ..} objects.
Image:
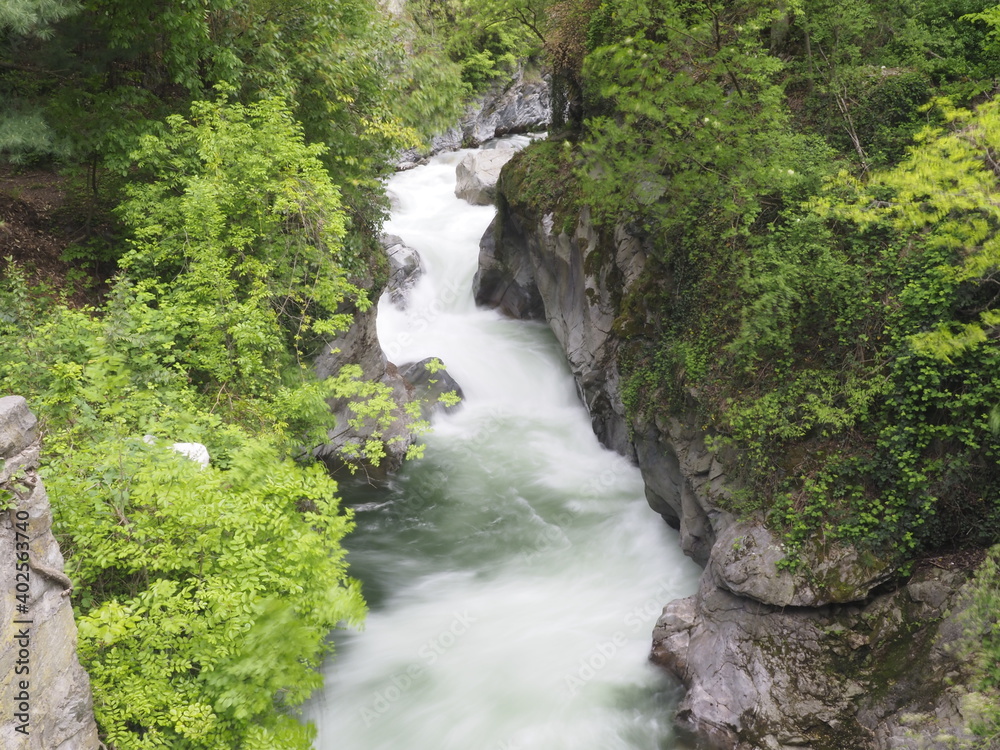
[
  {"x": 60, "y": 706},
  {"x": 428, "y": 381},
  {"x": 672, "y": 637},
  {"x": 194, "y": 451},
  {"x": 528, "y": 269},
  {"x": 405, "y": 268},
  {"x": 745, "y": 562},
  {"x": 477, "y": 174},
  {"x": 18, "y": 426},
  {"x": 360, "y": 345},
  {"x": 506, "y": 280},
  {"x": 520, "y": 105},
  {"x": 761, "y": 676}
]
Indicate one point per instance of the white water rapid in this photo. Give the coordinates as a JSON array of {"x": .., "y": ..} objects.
[{"x": 515, "y": 573}]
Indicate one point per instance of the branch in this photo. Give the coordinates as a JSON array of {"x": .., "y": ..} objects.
[{"x": 519, "y": 13}]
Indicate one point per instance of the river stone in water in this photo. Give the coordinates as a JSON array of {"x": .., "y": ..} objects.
[
  {"x": 405, "y": 268},
  {"x": 429, "y": 382},
  {"x": 477, "y": 174}
]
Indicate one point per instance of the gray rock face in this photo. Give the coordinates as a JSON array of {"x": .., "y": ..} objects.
[
  {"x": 505, "y": 278},
  {"x": 685, "y": 482},
  {"x": 359, "y": 345},
  {"x": 849, "y": 676},
  {"x": 405, "y": 268},
  {"x": 38, "y": 646},
  {"x": 521, "y": 105},
  {"x": 575, "y": 281},
  {"x": 745, "y": 562},
  {"x": 477, "y": 174},
  {"x": 818, "y": 658},
  {"x": 527, "y": 269}
]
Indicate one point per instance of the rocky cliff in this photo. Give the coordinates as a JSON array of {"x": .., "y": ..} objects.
[
  {"x": 520, "y": 105},
  {"x": 44, "y": 691},
  {"x": 846, "y": 652}
]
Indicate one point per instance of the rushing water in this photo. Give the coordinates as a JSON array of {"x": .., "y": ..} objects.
[{"x": 514, "y": 574}]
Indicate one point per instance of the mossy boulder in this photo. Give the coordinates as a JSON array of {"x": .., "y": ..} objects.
[{"x": 747, "y": 556}]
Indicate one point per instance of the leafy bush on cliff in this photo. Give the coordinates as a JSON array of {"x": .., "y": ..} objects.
[{"x": 837, "y": 322}]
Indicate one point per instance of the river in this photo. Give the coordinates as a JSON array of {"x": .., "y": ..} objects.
[{"x": 515, "y": 573}]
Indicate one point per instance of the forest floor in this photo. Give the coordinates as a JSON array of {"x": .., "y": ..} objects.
[{"x": 42, "y": 230}]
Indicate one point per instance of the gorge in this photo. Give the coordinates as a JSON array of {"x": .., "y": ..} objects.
[{"x": 515, "y": 572}]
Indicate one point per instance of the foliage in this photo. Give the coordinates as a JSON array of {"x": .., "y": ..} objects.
[
  {"x": 837, "y": 334},
  {"x": 204, "y": 596},
  {"x": 111, "y": 73},
  {"x": 33, "y": 17},
  {"x": 701, "y": 141},
  {"x": 213, "y": 590},
  {"x": 981, "y": 644},
  {"x": 484, "y": 39},
  {"x": 244, "y": 273}
]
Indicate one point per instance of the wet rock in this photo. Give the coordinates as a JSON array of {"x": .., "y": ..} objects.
[
  {"x": 505, "y": 279},
  {"x": 528, "y": 269},
  {"x": 477, "y": 174},
  {"x": 360, "y": 345},
  {"x": 429, "y": 381},
  {"x": 405, "y": 268},
  {"x": 520, "y": 105}
]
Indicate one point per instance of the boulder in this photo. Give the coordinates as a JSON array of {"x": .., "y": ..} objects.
[
  {"x": 477, "y": 174},
  {"x": 405, "y": 268},
  {"x": 745, "y": 562},
  {"x": 196, "y": 452},
  {"x": 857, "y": 675},
  {"x": 18, "y": 426},
  {"x": 429, "y": 381},
  {"x": 360, "y": 345},
  {"x": 505, "y": 278},
  {"x": 37, "y": 633}
]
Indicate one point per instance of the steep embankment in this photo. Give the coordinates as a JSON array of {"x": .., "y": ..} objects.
[{"x": 842, "y": 653}]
